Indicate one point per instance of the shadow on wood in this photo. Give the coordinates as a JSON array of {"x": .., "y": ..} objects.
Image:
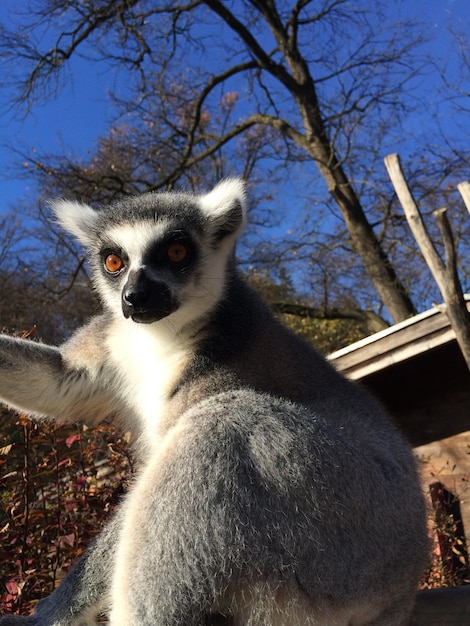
[{"x": 442, "y": 607}]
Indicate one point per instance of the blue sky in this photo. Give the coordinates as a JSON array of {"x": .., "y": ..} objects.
[
  {"x": 79, "y": 114},
  {"x": 70, "y": 122}
]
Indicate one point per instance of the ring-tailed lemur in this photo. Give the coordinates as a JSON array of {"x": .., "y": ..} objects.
[{"x": 271, "y": 491}]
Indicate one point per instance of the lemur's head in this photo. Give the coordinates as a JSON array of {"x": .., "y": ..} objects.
[{"x": 157, "y": 255}]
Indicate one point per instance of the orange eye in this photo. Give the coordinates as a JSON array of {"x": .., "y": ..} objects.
[
  {"x": 113, "y": 263},
  {"x": 177, "y": 252}
]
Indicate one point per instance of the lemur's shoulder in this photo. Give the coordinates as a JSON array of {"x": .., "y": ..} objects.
[{"x": 87, "y": 346}]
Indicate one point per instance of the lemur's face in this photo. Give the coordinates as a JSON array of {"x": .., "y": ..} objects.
[
  {"x": 148, "y": 269},
  {"x": 159, "y": 256}
]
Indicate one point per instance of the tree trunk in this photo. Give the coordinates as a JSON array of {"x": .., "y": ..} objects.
[
  {"x": 363, "y": 238},
  {"x": 301, "y": 85},
  {"x": 391, "y": 291}
]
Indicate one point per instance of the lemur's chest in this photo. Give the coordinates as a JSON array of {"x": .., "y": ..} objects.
[{"x": 150, "y": 366}]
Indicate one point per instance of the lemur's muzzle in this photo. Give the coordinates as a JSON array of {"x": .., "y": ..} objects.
[{"x": 146, "y": 299}]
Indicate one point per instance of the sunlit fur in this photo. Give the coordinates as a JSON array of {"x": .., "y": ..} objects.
[{"x": 271, "y": 491}]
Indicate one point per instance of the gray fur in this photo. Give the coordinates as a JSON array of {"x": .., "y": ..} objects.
[{"x": 271, "y": 492}]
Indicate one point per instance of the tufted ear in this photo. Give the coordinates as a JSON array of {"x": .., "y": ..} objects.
[
  {"x": 225, "y": 207},
  {"x": 76, "y": 218}
]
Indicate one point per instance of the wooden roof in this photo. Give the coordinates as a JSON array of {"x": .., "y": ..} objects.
[
  {"x": 418, "y": 372},
  {"x": 398, "y": 343}
]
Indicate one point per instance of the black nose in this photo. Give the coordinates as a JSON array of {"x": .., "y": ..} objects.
[
  {"x": 137, "y": 296},
  {"x": 146, "y": 299}
]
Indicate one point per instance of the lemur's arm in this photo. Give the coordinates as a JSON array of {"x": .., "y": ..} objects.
[
  {"x": 84, "y": 593},
  {"x": 66, "y": 384},
  {"x": 38, "y": 380}
]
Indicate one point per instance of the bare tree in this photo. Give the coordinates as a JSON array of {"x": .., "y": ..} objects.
[{"x": 314, "y": 75}]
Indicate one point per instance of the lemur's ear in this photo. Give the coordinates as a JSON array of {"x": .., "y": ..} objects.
[
  {"x": 76, "y": 218},
  {"x": 225, "y": 207}
]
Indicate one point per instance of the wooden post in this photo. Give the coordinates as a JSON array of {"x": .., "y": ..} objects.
[
  {"x": 464, "y": 189},
  {"x": 445, "y": 273}
]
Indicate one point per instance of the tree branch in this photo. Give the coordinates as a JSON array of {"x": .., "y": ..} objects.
[
  {"x": 213, "y": 82},
  {"x": 282, "y": 126},
  {"x": 264, "y": 59},
  {"x": 173, "y": 176}
]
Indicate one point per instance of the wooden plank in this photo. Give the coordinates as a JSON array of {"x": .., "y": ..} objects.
[
  {"x": 394, "y": 348},
  {"x": 386, "y": 332},
  {"x": 381, "y": 361},
  {"x": 442, "y": 607},
  {"x": 396, "y": 335},
  {"x": 398, "y": 343}
]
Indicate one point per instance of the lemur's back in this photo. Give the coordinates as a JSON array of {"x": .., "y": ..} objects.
[
  {"x": 358, "y": 486},
  {"x": 244, "y": 345}
]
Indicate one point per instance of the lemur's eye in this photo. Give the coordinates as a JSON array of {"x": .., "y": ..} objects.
[
  {"x": 177, "y": 252},
  {"x": 113, "y": 263}
]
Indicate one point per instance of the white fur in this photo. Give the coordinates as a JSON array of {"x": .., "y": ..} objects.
[
  {"x": 218, "y": 203},
  {"x": 75, "y": 217},
  {"x": 224, "y": 194},
  {"x": 148, "y": 360},
  {"x": 135, "y": 238}
]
